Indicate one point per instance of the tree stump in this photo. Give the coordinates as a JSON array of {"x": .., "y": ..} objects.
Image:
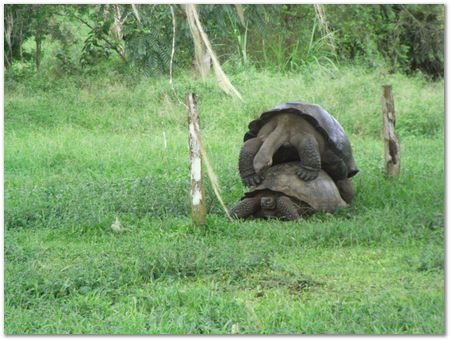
[
  {"x": 391, "y": 143},
  {"x": 197, "y": 192}
]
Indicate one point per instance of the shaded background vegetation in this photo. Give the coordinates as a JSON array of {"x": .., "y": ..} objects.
[{"x": 74, "y": 39}]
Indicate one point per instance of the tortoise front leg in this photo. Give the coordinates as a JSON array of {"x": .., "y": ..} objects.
[
  {"x": 286, "y": 208},
  {"x": 308, "y": 150},
  {"x": 245, "y": 208},
  {"x": 248, "y": 151}
]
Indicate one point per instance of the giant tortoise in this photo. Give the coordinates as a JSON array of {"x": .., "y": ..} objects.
[
  {"x": 282, "y": 194},
  {"x": 296, "y": 131}
]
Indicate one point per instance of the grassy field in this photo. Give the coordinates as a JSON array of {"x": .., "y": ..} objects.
[{"x": 80, "y": 152}]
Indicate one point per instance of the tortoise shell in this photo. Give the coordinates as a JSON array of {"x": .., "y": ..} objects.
[
  {"x": 321, "y": 193},
  {"x": 323, "y": 122}
]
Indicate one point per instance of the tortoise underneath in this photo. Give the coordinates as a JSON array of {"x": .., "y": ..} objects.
[{"x": 282, "y": 194}]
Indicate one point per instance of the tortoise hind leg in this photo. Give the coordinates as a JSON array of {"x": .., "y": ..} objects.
[
  {"x": 248, "y": 151},
  {"x": 308, "y": 150},
  {"x": 286, "y": 208},
  {"x": 245, "y": 208},
  {"x": 264, "y": 158}
]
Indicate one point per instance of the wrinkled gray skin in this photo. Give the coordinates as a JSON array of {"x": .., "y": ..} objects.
[
  {"x": 283, "y": 129},
  {"x": 296, "y": 131},
  {"x": 283, "y": 195},
  {"x": 270, "y": 204}
]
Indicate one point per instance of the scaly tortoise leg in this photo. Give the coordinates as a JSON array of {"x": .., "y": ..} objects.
[
  {"x": 286, "y": 208},
  {"x": 246, "y": 207},
  {"x": 264, "y": 157},
  {"x": 248, "y": 151},
  {"x": 308, "y": 150}
]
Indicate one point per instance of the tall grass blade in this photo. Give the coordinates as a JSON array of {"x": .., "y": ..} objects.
[
  {"x": 199, "y": 50},
  {"x": 221, "y": 77}
]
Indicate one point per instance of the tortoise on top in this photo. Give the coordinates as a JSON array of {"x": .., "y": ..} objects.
[
  {"x": 283, "y": 195},
  {"x": 296, "y": 131}
]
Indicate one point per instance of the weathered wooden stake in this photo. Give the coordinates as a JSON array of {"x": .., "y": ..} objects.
[
  {"x": 391, "y": 143},
  {"x": 197, "y": 192}
]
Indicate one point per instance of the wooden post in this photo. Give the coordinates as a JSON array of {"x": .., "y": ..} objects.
[
  {"x": 197, "y": 192},
  {"x": 391, "y": 143}
]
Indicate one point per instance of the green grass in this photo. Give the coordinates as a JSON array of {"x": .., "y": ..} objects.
[{"x": 78, "y": 153}]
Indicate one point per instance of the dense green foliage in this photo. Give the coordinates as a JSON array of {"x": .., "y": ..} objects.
[
  {"x": 405, "y": 38},
  {"x": 81, "y": 150}
]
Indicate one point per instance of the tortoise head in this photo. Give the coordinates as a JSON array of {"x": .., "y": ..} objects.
[{"x": 268, "y": 203}]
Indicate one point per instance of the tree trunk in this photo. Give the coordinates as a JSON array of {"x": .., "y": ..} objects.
[
  {"x": 289, "y": 25},
  {"x": 38, "y": 39},
  {"x": 21, "y": 43},
  {"x": 117, "y": 31},
  {"x": 9, "y": 24}
]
